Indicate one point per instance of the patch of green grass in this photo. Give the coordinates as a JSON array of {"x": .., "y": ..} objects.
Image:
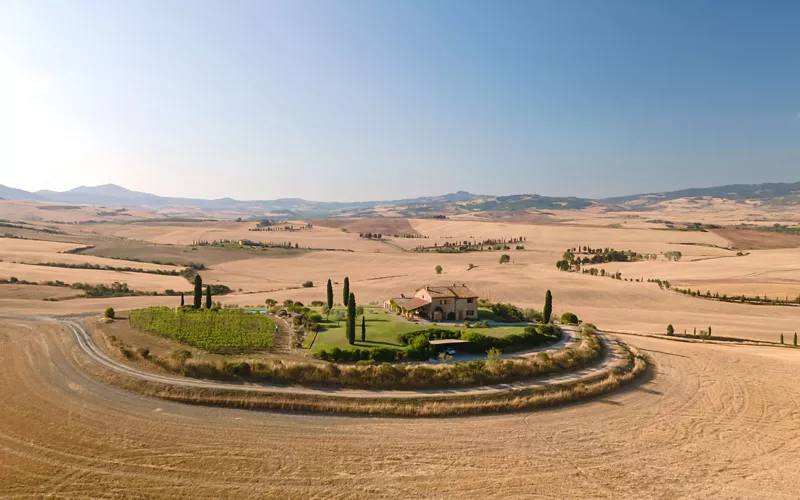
[{"x": 383, "y": 328}]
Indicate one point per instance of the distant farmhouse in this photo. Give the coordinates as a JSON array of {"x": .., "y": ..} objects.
[{"x": 438, "y": 303}]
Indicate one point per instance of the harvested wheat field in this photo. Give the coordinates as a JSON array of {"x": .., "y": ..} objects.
[
  {"x": 708, "y": 419},
  {"x": 714, "y": 421}
]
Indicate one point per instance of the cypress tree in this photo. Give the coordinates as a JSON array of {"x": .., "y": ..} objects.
[
  {"x": 208, "y": 297},
  {"x": 548, "y": 307},
  {"x": 182, "y": 300},
  {"x": 351, "y": 319},
  {"x": 363, "y": 328},
  {"x": 346, "y": 291},
  {"x": 795, "y": 339},
  {"x": 330, "y": 295},
  {"x": 198, "y": 292}
]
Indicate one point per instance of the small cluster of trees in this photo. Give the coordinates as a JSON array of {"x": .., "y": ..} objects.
[
  {"x": 353, "y": 311},
  {"x": 473, "y": 246},
  {"x": 197, "y": 303},
  {"x": 593, "y": 271},
  {"x": 409, "y": 235},
  {"x": 246, "y": 243},
  {"x": 370, "y": 236},
  {"x": 267, "y": 225},
  {"x": 704, "y": 334},
  {"x": 571, "y": 261}
]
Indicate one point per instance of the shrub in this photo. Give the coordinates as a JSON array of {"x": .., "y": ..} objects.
[
  {"x": 508, "y": 313},
  {"x": 143, "y": 352},
  {"x": 505, "y": 258},
  {"x": 242, "y": 369},
  {"x": 308, "y": 284},
  {"x": 545, "y": 329},
  {"x": 419, "y": 349},
  {"x": 670, "y": 330},
  {"x": 533, "y": 315},
  {"x": 438, "y": 269},
  {"x": 109, "y": 313},
  {"x": 430, "y": 334},
  {"x": 569, "y": 318}
]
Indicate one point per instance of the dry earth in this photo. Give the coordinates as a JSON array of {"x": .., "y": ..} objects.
[{"x": 716, "y": 421}]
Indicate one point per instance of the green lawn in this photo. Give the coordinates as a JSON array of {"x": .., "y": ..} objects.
[{"x": 383, "y": 328}]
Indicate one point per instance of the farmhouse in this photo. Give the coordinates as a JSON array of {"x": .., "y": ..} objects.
[{"x": 438, "y": 303}]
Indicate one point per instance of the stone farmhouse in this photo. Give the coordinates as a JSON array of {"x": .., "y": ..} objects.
[{"x": 438, "y": 303}]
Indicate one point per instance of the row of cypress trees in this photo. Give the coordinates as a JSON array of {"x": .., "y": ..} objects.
[
  {"x": 349, "y": 299},
  {"x": 198, "y": 294}
]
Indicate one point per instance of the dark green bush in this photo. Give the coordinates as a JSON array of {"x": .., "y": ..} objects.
[
  {"x": 508, "y": 313},
  {"x": 569, "y": 318},
  {"x": 430, "y": 334},
  {"x": 239, "y": 369}
]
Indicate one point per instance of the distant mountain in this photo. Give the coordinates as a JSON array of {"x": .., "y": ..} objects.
[
  {"x": 9, "y": 193},
  {"x": 775, "y": 192},
  {"x": 460, "y": 202}
]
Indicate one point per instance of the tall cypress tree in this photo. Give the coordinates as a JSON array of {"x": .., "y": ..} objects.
[
  {"x": 182, "y": 300},
  {"x": 548, "y": 307},
  {"x": 346, "y": 291},
  {"x": 330, "y": 295},
  {"x": 198, "y": 292},
  {"x": 363, "y": 328},
  {"x": 208, "y": 297},
  {"x": 351, "y": 319}
]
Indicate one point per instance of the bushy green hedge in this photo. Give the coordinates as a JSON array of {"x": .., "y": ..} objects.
[
  {"x": 418, "y": 349},
  {"x": 569, "y": 318},
  {"x": 531, "y": 337},
  {"x": 430, "y": 334},
  {"x": 508, "y": 313}
]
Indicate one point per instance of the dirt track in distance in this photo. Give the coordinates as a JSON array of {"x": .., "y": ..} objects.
[{"x": 716, "y": 422}]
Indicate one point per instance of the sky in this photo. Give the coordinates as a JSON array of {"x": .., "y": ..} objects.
[{"x": 366, "y": 100}]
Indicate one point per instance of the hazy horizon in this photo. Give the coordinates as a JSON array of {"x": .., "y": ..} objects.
[
  {"x": 354, "y": 101},
  {"x": 365, "y": 200}
]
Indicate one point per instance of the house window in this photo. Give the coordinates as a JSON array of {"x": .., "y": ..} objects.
[
  {"x": 470, "y": 313},
  {"x": 469, "y": 300}
]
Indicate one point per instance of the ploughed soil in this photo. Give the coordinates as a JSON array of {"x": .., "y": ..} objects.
[{"x": 751, "y": 239}]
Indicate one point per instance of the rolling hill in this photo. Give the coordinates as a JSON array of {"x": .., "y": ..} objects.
[{"x": 460, "y": 202}]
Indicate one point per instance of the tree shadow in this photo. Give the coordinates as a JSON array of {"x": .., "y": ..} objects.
[{"x": 376, "y": 342}]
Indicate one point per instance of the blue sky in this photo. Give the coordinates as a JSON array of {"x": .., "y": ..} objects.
[{"x": 354, "y": 100}]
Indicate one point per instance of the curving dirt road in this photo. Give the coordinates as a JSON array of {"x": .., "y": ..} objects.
[
  {"x": 83, "y": 340},
  {"x": 715, "y": 422}
]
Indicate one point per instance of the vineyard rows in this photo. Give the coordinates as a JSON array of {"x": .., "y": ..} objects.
[{"x": 221, "y": 331}]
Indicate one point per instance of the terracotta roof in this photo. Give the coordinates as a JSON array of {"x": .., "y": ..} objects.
[
  {"x": 410, "y": 303},
  {"x": 460, "y": 291}
]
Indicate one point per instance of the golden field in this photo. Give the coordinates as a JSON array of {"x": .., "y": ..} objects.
[{"x": 711, "y": 420}]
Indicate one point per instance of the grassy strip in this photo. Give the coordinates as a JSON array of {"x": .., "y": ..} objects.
[{"x": 512, "y": 400}]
